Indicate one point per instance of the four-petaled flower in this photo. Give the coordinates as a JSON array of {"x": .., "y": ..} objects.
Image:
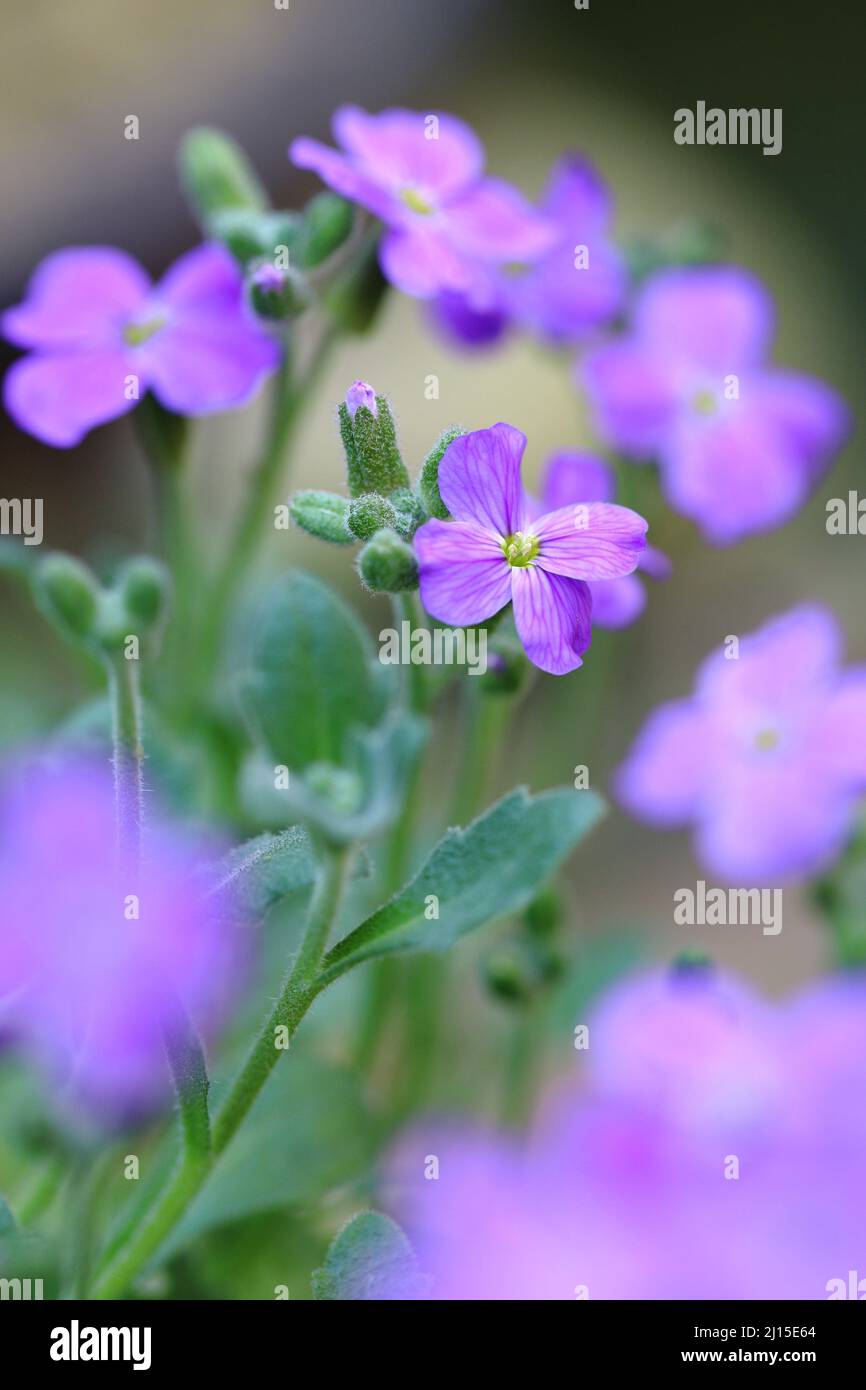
[
  {"x": 102, "y": 335},
  {"x": 422, "y": 175},
  {"x": 740, "y": 443},
  {"x": 494, "y": 552},
  {"x": 571, "y": 477},
  {"x": 767, "y": 759}
]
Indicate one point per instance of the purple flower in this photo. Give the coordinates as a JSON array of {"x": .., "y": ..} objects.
[
  {"x": 740, "y": 444},
  {"x": 470, "y": 324},
  {"x": 422, "y": 175},
  {"x": 766, "y": 759},
  {"x": 92, "y": 960},
  {"x": 714, "y": 1153},
  {"x": 581, "y": 282},
  {"x": 494, "y": 552},
  {"x": 361, "y": 394},
  {"x": 572, "y": 477},
  {"x": 102, "y": 335}
]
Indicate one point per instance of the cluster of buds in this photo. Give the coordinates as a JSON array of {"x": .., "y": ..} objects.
[{"x": 101, "y": 618}]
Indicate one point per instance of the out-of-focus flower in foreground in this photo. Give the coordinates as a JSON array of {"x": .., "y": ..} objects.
[
  {"x": 494, "y": 552},
  {"x": 93, "y": 958},
  {"x": 740, "y": 443},
  {"x": 101, "y": 335},
  {"x": 715, "y": 1153},
  {"x": 447, "y": 224},
  {"x": 571, "y": 477},
  {"x": 766, "y": 759}
]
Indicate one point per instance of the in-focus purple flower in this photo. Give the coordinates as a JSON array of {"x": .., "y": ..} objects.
[
  {"x": 714, "y": 1154},
  {"x": 571, "y": 477},
  {"x": 740, "y": 443},
  {"x": 94, "y": 960},
  {"x": 101, "y": 335},
  {"x": 423, "y": 176},
  {"x": 766, "y": 759},
  {"x": 361, "y": 394},
  {"x": 494, "y": 551}
]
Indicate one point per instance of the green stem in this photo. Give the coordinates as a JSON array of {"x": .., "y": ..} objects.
[
  {"x": 483, "y": 718},
  {"x": 297, "y": 995},
  {"x": 522, "y": 1068},
  {"x": 128, "y": 756},
  {"x": 43, "y": 1192}
]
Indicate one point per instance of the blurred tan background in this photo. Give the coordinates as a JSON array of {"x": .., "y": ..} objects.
[{"x": 535, "y": 77}]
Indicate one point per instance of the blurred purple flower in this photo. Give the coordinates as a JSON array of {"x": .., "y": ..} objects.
[
  {"x": 86, "y": 985},
  {"x": 422, "y": 175},
  {"x": 577, "y": 285},
  {"x": 740, "y": 444},
  {"x": 716, "y": 1155},
  {"x": 494, "y": 553},
  {"x": 571, "y": 477},
  {"x": 102, "y": 335},
  {"x": 767, "y": 758},
  {"x": 581, "y": 283}
]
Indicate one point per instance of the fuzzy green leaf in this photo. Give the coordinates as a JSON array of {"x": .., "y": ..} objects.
[{"x": 369, "y": 1260}]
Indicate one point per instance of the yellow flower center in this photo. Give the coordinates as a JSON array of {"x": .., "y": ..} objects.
[
  {"x": 520, "y": 549},
  {"x": 767, "y": 739},
  {"x": 416, "y": 201},
  {"x": 705, "y": 403},
  {"x": 136, "y": 333}
]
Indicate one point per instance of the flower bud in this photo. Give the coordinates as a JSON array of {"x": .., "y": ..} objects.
[
  {"x": 251, "y": 235},
  {"x": 144, "y": 587},
  {"x": 369, "y": 438},
  {"x": 326, "y": 224},
  {"x": 507, "y": 665},
  {"x": 277, "y": 295},
  {"x": 369, "y": 514},
  {"x": 544, "y": 913},
  {"x": 428, "y": 483},
  {"x": 216, "y": 174},
  {"x": 68, "y": 594},
  {"x": 322, "y": 514},
  {"x": 339, "y": 787},
  {"x": 410, "y": 512},
  {"x": 387, "y": 564}
]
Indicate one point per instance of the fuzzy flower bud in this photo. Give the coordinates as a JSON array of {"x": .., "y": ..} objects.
[
  {"x": 369, "y": 438},
  {"x": 387, "y": 564}
]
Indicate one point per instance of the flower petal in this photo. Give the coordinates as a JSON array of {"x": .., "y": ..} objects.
[
  {"x": 58, "y": 397},
  {"x": 714, "y": 317},
  {"x": 341, "y": 174},
  {"x": 83, "y": 295},
  {"x": 495, "y": 223},
  {"x": 812, "y": 418},
  {"x": 841, "y": 736},
  {"x": 590, "y": 540},
  {"x": 635, "y": 396},
  {"x": 664, "y": 778},
  {"x": 617, "y": 602},
  {"x": 204, "y": 281},
  {"x": 479, "y": 478},
  {"x": 553, "y": 618},
  {"x": 437, "y": 155},
  {"x": 570, "y": 476},
  {"x": 422, "y": 262},
  {"x": 203, "y": 366},
  {"x": 463, "y": 575},
  {"x": 577, "y": 197}
]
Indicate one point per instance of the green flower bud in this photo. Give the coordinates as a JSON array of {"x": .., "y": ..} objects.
[
  {"x": 277, "y": 295},
  {"x": 428, "y": 483},
  {"x": 410, "y": 512},
  {"x": 369, "y": 437},
  {"x": 507, "y": 977},
  {"x": 253, "y": 235},
  {"x": 326, "y": 224},
  {"x": 369, "y": 514},
  {"x": 544, "y": 913},
  {"x": 67, "y": 593},
  {"x": 144, "y": 587},
  {"x": 216, "y": 174},
  {"x": 322, "y": 514},
  {"x": 387, "y": 565},
  {"x": 339, "y": 787}
]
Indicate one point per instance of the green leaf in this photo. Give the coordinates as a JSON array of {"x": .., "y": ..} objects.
[
  {"x": 307, "y": 1133},
  {"x": 7, "y": 1220},
  {"x": 252, "y": 877},
  {"x": 324, "y": 515},
  {"x": 493, "y": 868},
  {"x": 313, "y": 675},
  {"x": 369, "y": 1260}
]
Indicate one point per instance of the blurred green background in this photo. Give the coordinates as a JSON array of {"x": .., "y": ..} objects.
[{"x": 535, "y": 77}]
